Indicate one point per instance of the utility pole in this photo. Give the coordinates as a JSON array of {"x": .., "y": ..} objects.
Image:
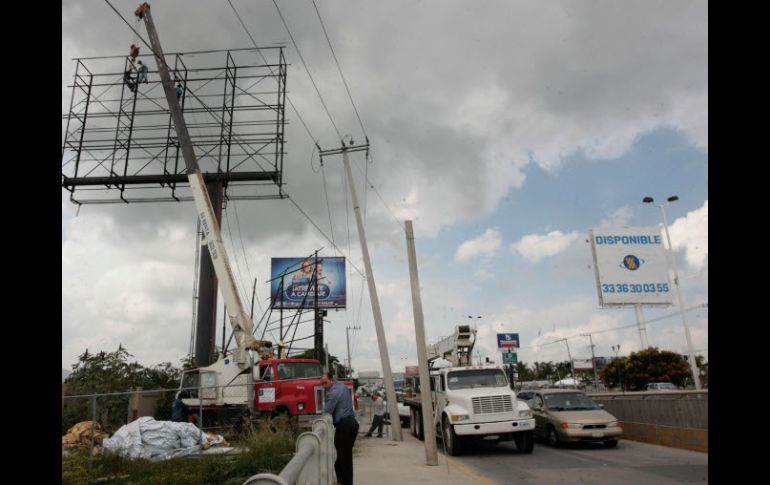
[
  {"x": 571, "y": 364},
  {"x": 347, "y": 334},
  {"x": 593, "y": 360},
  {"x": 431, "y": 456},
  {"x": 390, "y": 389}
]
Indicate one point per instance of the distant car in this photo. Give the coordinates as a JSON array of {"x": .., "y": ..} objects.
[
  {"x": 660, "y": 386},
  {"x": 567, "y": 415}
]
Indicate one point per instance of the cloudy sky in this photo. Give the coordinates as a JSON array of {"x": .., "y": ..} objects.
[{"x": 504, "y": 129}]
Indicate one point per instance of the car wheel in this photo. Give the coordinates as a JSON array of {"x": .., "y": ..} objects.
[
  {"x": 611, "y": 443},
  {"x": 553, "y": 437},
  {"x": 451, "y": 441}
]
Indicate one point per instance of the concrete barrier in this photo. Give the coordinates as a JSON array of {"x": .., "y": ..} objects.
[{"x": 676, "y": 419}]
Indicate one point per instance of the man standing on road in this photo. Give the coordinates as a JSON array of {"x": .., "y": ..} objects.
[
  {"x": 339, "y": 403},
  {"x": 378, "y": 407}
]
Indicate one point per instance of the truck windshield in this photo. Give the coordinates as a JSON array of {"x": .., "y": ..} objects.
[
  {"x": 469, "y": 379},
  {"x": 298, "y": 370}
]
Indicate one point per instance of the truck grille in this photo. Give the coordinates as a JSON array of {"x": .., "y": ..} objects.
[{"x": 492, "y": 404}]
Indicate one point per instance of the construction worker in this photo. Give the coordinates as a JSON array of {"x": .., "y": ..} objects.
[
  {"x": 133, "y": 52},
  {"x": 129, "y": 81},
  {"x": 179, "y": 91},
  {"x": 142, "y": 76}
]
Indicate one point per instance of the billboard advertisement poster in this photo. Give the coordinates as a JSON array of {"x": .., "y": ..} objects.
[
  {"x": 299, "y": 285},
  {"x": 631, "y": 266},
  {"x": 582, "y": 364},
  {"x": 412, "y": 370},
  {"x": 508, "y": 341}
]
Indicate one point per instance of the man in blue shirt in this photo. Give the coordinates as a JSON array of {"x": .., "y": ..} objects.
[{"x": 339, "y": 403}]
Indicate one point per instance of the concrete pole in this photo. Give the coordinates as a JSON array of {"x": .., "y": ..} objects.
[
  {"x": 642, "y": 324},
  {"x": 390, "y": 389},
  {"x": 593, "y": 361},
  {"x": 690, "y": 352},
  {"x": 571, "y": 365},
  {"x": 431, "y": 458}
]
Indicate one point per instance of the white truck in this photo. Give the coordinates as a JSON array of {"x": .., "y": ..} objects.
[{"x": 470, "y": 402}]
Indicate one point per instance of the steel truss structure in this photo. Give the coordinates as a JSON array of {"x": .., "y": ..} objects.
[{"x": 121, "y": 146}]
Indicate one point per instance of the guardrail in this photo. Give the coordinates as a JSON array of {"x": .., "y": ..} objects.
[{"x": 313, "y": 461}]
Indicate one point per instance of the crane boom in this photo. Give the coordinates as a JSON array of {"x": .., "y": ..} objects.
[
  {"x": 239, "y": 317},
  {"x": 455, "y": 348}
]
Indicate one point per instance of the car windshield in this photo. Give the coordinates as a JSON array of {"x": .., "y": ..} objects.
[
  {"x": 469, "y": 379},
  {"x": 569, "y": 402},
  {"x": 298, "y": 370}
]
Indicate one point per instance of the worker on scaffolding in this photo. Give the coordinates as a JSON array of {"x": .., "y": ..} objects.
[
  {"x": 129, "y": 80},
  {"x": 133, "y": 51},
  {"x": 142, "y": 73}
]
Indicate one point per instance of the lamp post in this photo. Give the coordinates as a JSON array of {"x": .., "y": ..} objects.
[
  {"x": 690, "y": 354},
  {"x": 616, "y": 349}
]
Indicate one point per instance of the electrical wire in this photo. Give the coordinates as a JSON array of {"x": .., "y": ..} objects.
[
  {"x": 296, "y": 47},
  {"x": 271, "y": 71},
  {"x": 339, "y": 68}
]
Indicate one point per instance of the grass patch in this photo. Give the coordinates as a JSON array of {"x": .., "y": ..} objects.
[{"x": 266, "y": 449}]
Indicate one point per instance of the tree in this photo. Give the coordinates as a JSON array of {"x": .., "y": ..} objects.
[
  {"x": 524, "y": 372},
  {"x": 612, "y": 373},
  {"x": 104, "y": 373},
  {"x": 653, "y": 365}
]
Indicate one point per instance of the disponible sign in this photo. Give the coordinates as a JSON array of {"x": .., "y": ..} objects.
[
  {"x": 630, "y": 266},
  {"x": 508, "y": 341},
  {"x": 295, "y": 281}
]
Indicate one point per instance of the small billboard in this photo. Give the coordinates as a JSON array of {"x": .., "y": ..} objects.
[
  {"x": 510, "y": 358},
  {"x": 582, "y": 364},
  {"x": 508, "y": 341},
  {"x": 293, "y": 284}
]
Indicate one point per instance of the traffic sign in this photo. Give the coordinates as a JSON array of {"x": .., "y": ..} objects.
[{"x": 510, "y": 358}]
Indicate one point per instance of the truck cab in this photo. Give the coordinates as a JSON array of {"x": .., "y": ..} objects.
[{"x": 476, "y": 402}]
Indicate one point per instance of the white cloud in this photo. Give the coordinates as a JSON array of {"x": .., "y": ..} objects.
[
  {"x": 485, "y": 245},
  {"x": 535, "y": 247},
  {"x": 691, "y": 233},
  {"x": 619, "y": 218}
]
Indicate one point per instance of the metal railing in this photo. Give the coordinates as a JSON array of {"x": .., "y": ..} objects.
[{"x": 313, "y": 462}]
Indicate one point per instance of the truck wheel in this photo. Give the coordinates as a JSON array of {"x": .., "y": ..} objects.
[
  {"x": 412, "y": 422},
  {"x": 418, "y": 425},
  {"x": 553, "y": 437},
  {"x": 451, "y": 441},
  {"x": 525, "y": 441}
]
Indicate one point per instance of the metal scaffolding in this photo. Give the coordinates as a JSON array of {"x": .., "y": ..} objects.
[{"x": 120, "y": 145}]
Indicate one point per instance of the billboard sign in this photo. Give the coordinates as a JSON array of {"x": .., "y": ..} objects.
[
  {"x": 630, "y": 266},
  {"x": 510, "y": 358},
  {"x": 299, "y": 285},
  {"x": 509, "y": 341},
  {"x": 582, "y": 364}
]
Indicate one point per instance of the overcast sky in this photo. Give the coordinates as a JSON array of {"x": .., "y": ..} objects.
[{"x": 505, "y": 130}]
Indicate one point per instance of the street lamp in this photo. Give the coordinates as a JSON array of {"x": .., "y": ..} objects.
[
  {"x": 691, "y": 355},
  {"x": 616, "y": 349}
]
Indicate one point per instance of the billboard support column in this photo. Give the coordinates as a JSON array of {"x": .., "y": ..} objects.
[{"x": 642, "y": 324}]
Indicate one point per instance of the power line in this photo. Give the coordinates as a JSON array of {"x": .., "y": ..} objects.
[
  {"x": 271, "y": 71},
  {"x": 339, "y": 68},
  {"x": 307, "y": 70},
  {"x": 322, "y": 233}
]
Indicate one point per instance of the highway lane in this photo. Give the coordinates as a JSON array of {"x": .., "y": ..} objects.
[{"x": 630, "y": 463}]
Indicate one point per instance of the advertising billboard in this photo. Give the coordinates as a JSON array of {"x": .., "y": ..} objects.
[
  {"x": 299, "y": 286},
  {"x": 630, "y": 266},
  {"x": 508, "y": 341},
  {"x": 582, "y": 364}
]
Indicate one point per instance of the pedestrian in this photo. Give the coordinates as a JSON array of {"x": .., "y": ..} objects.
[
  {"x": 129, "y": 80},
  {"x": 378, "y": 407},
  {"x": 179, "y": 91},
  {"x": 133, "y": 51},
  {"x": 142, "y": 76},
  {"x": 177, "y": 409},
  {"x": 339, "y": 403}
]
